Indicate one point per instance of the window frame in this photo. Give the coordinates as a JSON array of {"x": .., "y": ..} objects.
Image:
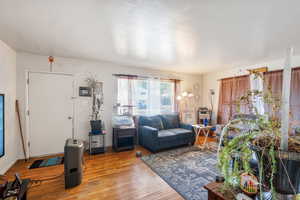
[{"x": 132, "y": 100}]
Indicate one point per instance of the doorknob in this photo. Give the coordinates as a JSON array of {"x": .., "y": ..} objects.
[{"x": 70, "y": 117}]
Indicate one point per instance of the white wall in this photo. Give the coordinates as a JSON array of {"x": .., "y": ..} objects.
[
  {"x": 210, "y": 80},
  {"x": 8, "y": 87},
  {"x": 83, "y": 69}
]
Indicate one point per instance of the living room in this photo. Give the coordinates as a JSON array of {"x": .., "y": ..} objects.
[{"x": 149, "y": 100}]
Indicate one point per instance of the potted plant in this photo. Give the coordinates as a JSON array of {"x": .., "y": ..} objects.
[{"x": 277, "y": 170}]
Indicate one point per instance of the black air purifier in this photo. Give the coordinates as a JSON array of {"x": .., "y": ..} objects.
[{"x": 73, "y": 162}]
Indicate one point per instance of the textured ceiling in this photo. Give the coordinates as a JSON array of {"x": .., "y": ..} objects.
[{"x": 193, "y": 36}]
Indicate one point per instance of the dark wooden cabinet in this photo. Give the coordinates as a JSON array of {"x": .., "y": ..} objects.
[{"x": 124, "y": 138}]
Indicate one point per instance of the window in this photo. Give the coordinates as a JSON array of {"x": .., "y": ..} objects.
[
  {"x": 232, "y": 89},
  {"x": 295, "y": 96},
  {"x": 273, "y": 83},
  {"x": 147, "y": 96}
]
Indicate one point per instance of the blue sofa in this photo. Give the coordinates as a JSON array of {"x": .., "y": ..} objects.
[{"x": 163, "y": 132}]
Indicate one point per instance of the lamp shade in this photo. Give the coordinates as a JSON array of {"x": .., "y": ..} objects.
[
  {"x": 190, "y": 95},
  {"x": 184, "y": 94}
]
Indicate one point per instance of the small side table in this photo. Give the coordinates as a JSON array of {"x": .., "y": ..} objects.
[
  {"x": 214, "y": 193},
  {"x": 200, "y": 128},
  {"x": 100, "y": 144},
  {"x": 124, "y": 138}
]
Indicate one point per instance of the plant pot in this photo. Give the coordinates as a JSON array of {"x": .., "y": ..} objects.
[
  {"x": 96, "y": 126},
  {"x": 287, "y": 177}
]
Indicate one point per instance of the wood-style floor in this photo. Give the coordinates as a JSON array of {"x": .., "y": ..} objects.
[{"x": 109, "y": 176}]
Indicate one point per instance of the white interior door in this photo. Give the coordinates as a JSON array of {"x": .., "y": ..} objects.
[{"x": 50, "y": 106}]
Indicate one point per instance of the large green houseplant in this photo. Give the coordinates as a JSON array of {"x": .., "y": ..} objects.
[{"x": 263, "y": 136}]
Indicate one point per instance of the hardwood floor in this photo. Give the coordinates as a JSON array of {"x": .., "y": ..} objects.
[{"x": 111, "y": 176}]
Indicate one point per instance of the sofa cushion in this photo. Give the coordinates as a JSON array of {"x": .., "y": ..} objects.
[
  {"x": 170, "y": 121},
  {"x": 178, "y": 131},
  {"x": 165, "y": 133},
  {"x": 152, "y": 121}
]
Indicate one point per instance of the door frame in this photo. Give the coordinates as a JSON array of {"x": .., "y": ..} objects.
[{"x": 27, "y": 113}]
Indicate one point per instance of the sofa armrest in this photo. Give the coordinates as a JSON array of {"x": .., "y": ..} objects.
[
  {"x": 149, "y": 138},
  {"x": 186, "y": 126},
  {"x": 150, "y": 131}
]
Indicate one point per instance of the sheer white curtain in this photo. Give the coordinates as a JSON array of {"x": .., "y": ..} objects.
[
  {"x": 125, "y": 91},
  {"x": 147, "y": 96},
  {"x": 257, "y": 84},
  {"x": 154, "y": 97}
]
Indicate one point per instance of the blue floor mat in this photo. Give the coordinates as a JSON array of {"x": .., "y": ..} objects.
[{"x": 47, "y": 162}]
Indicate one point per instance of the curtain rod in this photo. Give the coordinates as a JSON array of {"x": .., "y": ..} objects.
[
  {"x": 262, "y": 69},
  {"x": 144, "y": 77},
  {"x": 233, "y": 77}
]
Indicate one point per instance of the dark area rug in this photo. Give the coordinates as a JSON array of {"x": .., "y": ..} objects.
[
  {"x": 186, "y": 169},
  {"x": 47, "y": 162}
]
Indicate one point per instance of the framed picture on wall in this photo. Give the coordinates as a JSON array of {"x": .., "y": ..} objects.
[{"x": 85, "y": 92}]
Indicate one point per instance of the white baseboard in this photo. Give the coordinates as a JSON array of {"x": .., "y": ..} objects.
[{"x": 6, "y": 168}]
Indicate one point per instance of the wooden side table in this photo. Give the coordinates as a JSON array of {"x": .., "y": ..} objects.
[
  {"x": 124, "y": 138},
  {"x": 199, "y": 128},
  {"x": 215, "y": 194}
]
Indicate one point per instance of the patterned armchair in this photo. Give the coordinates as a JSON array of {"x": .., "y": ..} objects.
[{"x": 163, "y": 132}]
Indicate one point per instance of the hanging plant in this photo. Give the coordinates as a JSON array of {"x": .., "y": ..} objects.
[{"x": 262, "y": 135}]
